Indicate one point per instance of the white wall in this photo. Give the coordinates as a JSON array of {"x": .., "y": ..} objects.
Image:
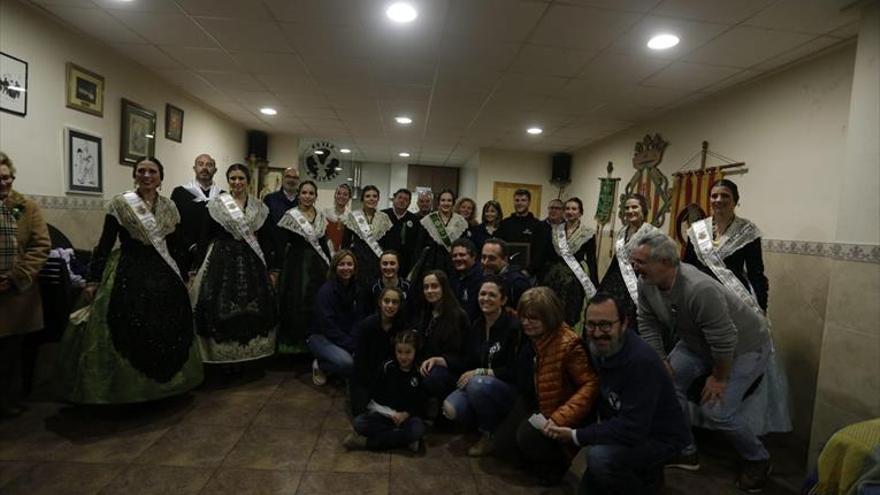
[
  {"x": 35, "y": 142},
  {"x": 284, "y": 151},
  {"x": 789, "y": 128},
  {"x": 468, "y": 177}
]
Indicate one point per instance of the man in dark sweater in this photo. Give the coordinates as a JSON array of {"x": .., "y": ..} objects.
[
  {"x": 404, "y": 230},
  {"x": 494, "y": 259},
  {"x": 192, "y": 199},
  {"x": 467, "y": 277},
  {"x": 285, "y": 198},
  {"x": 524, "y": 229},
  {"x": 641, "y": 423}
]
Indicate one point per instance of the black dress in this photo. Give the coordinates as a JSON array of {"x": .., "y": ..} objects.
[
  {"x": 559, "y": 277},
  {"x": 433, "y": 252},
  {"x": 367, "y": 260}
]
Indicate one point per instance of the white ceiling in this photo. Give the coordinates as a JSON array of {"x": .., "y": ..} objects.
[{"x": 471, "y": 73}]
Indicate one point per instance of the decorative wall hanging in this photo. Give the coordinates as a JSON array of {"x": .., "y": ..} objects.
[
  {"x": 322, "y": 161},
  {"x": 85, "y": 164},
  {"x": 138, "y": 134},
  {"x": 648, "y": 180},
  {"x": 13, "y": 84},
  {"x": 85, "y": 90},
  {"x": 605, "y": 206},
  {"x": 173, "y": 123}
]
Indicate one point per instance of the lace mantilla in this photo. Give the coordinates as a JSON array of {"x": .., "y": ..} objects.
[
  {"x": 454, "y": 229},
  {"x": 319, "y": 224},
  {"x": 165, "y": 212},
  {"x": 255, "y": 214},
  {"x": 379, "y": 227},
  {"x": 576, "y": 240}
]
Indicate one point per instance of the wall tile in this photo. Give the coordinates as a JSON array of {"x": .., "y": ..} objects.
[
  {"x": 849, "y": 374},
  {"x": 853, "y": 296}
]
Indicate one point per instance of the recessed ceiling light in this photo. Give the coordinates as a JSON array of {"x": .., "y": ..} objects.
[
  {"x": 534, "y": 130},
  {"x": 403, "y": 120},
  {"x": 319, "y": 152},
  {"x": 345, "y": 150},
  {"x": 268, "y": 111},
  {"x": 401, "y": 12},
  {"x": 663, "y": 42},
  {"x": 403, "y": 154},
  {"x": 149, "y": 136},
  {"x": 338, "y": 169},
  {"x": 350, "y": 179}
]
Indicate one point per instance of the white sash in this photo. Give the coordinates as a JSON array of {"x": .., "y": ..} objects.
[
  {"x": 308, "y": 230},
  {"x": 622, "y": 251},
  {"x": 568, "y": 257},
  {"x": 151, "y": 227},
  {"x": 365, "y": 233},
  {"x": 240, "y": 224},
  {"x": 195, "y": 189},
  {"x": 700, "y": 234}
]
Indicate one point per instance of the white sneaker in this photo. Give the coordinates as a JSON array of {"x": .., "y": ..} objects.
[{"x": 318, "y": 376}]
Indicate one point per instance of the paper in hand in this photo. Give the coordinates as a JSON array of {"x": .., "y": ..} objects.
[{"x": 538, "y": 421}]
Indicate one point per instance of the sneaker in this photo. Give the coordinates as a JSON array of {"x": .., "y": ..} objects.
[
  {"x": 483, "y": 447},
  {"x": 754, "y": 476},
  {"x": 414, "y": 447},
  {"x": 353, "y": 441},
  {"x": 318, "y": 376},
  {"x": 688, "y": 462}
]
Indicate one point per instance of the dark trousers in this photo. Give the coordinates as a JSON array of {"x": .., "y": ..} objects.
[
  {"x": 383, "y": 434},
  {"x": 621, "y": 469},
  {"x": 10, "y": 371},
  {"x": 544, "y": 455}
]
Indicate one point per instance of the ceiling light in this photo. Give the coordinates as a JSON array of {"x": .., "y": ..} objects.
[
  {"x": 319, "y": 152},
  {"x": 401, "y": 12},
  {"x": 663, "y": 41},
  {"x": 534, "y": 130},
  {"x": 345, "y": 151},
  {"x": 149, "y": 136},
  {"x": 403, "y": 154},
  {"x": 403, "y": 120},
  {"x": 268, "y": 111},
  {"x": 338, "y": 169}
]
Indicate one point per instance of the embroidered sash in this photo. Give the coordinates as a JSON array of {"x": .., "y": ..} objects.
[
  {"x": 195, "y": 189},
  {"x": 151, "y": 227},
  {"x": 622, "y": 250},
  {"x": 444, "y": 235},
  {"x": 308, "y": 230},
  {"x": 565, "y": 253},
  {"x": 700, "y": 234},
  {"x": 441, "y": 230},
  {"x": 240, "y": 224},
  {"x": 364, "y": 231}
]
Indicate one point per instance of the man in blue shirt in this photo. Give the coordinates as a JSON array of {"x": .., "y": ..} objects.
[{"x": 285, "y": 198}]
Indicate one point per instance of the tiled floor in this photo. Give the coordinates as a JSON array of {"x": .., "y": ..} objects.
[{"x": 275, "y": 434}]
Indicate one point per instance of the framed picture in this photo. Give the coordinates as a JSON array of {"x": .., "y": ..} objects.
[
  {"x": 173, "y": 123},
  {"x": 270, "y": 180},
  {"x": 85, "y": 164},
  {"x": 138, "y": 135},
  {"x": 85, "y": 90},
  {"x": 13, "y": 84}
]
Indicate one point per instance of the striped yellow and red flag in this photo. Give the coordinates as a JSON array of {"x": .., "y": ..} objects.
[{"x": 690, "y": 199}]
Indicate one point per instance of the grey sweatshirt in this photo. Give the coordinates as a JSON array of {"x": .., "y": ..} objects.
[{"x": 710, "y": 319}]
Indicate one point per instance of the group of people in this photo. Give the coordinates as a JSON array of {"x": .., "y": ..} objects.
[{"x": 430, "y": 317}]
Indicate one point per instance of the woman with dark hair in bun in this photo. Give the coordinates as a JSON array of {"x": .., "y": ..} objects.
[
  {"x": 364, "y": 235},
  {"x": 440, "y": 229},
  {"x": 570, "y": 268},
  {"x": 620, "y": 279},
  {"x": 135, "y": 343},
  {"x": 233, "y": 303}
]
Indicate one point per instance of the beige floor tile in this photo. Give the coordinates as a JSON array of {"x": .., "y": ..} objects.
[
  {"x": 252, "y": 482},
  {"x": 227, "y": 410},
  {"x": 272, "y": 448},
  {"x": 113, "y": 448},
  {"x": 9, "y": 470},
  {"x": 432, "y": 484},
  {"x": 62, "y": 478},
  {"x": 159, "y": 480},
  {"x": 192, "y": 445},
  {"x": 347, "y": 483},
  {"x": 330, "y": 455},
  {"x": 437, "y": 459},
  {"x": 517, "y": 484},
  {"x": 294, "y": 414}
]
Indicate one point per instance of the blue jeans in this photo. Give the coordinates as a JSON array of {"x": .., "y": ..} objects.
[
  {"x": 722, "y": 415},
  {"x": 485, "y": 400},
  {"x": 621, "y": 469},
  {"x": 382, "y": 433},
  {"x": 332, "y": 359},
  {"x": 439, "y": 382}
]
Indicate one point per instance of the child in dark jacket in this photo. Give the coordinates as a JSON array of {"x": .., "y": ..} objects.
[{"x": 393, "y": 417}]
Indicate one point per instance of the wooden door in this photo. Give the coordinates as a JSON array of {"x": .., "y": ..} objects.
[{"x": 503, "y": 193}]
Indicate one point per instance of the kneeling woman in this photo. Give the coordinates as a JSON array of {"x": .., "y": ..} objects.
[
  {"x": 555, "y": 381},
  {"x": 137, "y": 343},
  {"x": 332, "y": 338},
  {"x": 234, "y": 307},
  {"x": 486, "y": 392}
]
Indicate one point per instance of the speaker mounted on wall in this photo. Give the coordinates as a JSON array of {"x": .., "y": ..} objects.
[
  {"x": 561, "y": 173},
  {"x": 258, "y": 146}
]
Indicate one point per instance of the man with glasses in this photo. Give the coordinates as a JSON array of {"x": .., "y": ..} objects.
[
  {"x": 554, "y": 212},
  {"x": 641, "y": 423}
]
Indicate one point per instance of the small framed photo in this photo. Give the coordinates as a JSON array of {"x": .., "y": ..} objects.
[
  {"x": 85, "y": 90},
  {"x": 270, "y": 180},
  {"x": 13, "y": 84},
  {"x": 138, "y": 133},
  {"x": 173, "y": 123},
  {"x": 85, "y": 164}
]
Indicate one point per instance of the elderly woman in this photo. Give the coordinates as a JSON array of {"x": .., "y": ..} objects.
[
  {"x": 137, "y": 343},
  {"x": 555, "y": 381},
  {"x": 24, "y": 247}
]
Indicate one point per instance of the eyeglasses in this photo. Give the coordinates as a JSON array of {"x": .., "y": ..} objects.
[{"x": 602, "y": 326}]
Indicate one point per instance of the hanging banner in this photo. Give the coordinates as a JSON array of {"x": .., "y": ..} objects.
[{"x": 605, "y": 206}]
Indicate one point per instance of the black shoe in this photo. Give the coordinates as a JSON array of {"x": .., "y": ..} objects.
[
  {"x": 688, "y": 462},
  {"x": 754, "y": 476}
]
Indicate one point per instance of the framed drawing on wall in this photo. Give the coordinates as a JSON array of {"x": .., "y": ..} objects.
[
  {"x": 85, "y": 164},
  {"x": 138, "y": 135},
  {"x": 270, "y": 180},
  {"x": 85, "y": 90},
  {"x": 13, "y": 84},
  {"x": 173, "y": 123}
]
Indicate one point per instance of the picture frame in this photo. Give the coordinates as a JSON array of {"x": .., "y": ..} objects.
[
  {"x": 137, "y": 137},
  {"x": 173, "y": 123},
  {"x": 85, "y": 90},
  {"x": 270, "y": 180},
  {"x": 13, "y": 85},
  {"x": 85, "y": 162}
]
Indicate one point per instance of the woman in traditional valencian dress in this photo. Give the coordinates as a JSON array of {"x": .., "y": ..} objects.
[
  {"x": 335, "y": 214},
  {"x": 234, "y": 307},
  {"x": 304, "y": 256},
  {"x": 364, "y": 233},
  {"x": 137, "y": 342},
  {"x": 440, "y": 229},
  {"x": 728, "y": 248},
  {"x": 620, "y": 279},
  {"x": 573, "y": 245}
]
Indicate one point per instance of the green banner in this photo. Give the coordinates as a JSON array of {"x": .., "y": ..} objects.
[{"x": 606, "y": 200}]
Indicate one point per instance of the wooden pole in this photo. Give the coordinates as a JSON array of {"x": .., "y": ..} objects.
[{"x": 703, "y": 153}]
